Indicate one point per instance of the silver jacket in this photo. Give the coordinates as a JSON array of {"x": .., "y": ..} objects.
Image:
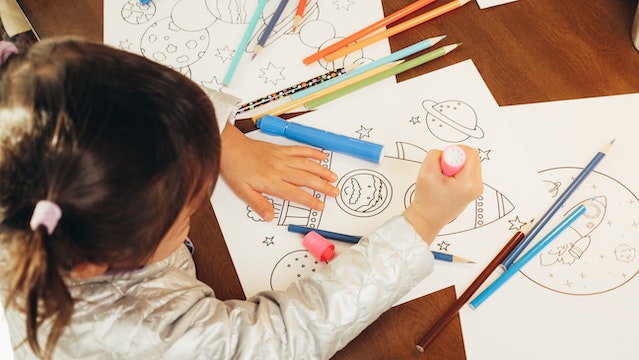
[{"x": 163, "y": 312}]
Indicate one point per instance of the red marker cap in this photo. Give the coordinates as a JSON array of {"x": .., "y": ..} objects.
[
  {"x": 321, "y": 248},
  {"x": 452, "y": 160}
]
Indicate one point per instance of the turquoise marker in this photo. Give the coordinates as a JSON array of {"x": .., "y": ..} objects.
[
  {"x": 407, "y": 51},
  {"x": 242, "y": 46},
  {"x": 274, "y": 125},
  {"x": 514, "y": 268}
]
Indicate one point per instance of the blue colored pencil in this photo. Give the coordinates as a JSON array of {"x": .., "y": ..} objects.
[
  {"x": 355, "y": 239},
  {"x": 327, "y": 234},
  {"x": 563, "y": 225},
  {"x": 242, "y": 46},
  {"x": 269, "y": 28},
  {"x": 399, "y": 54},
  {"x": 559, "y": 202}
]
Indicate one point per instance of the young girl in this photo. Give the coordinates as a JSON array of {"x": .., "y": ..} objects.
[{"x": 104, "y": 156}]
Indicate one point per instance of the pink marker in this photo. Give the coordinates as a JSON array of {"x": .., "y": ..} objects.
[
  {"x": 321, "y": 248},
  {"x": 452, "y": 160}
]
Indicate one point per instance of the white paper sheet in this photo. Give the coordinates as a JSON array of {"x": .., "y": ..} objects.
[
  {"x": 573, "y": 305},
  {"x": 409, "y": 118},
  {"x": 484, "y": 4},
  {"x": 199, "y": 38}
]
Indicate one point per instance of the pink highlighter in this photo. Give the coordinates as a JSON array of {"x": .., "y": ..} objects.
[{"x": 452, "y": 160}]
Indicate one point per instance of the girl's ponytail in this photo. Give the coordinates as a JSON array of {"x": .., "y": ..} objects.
[{"x": 37, "y": 277}]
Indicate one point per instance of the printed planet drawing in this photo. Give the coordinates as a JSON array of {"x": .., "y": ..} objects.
[
  {"x": 190, "y": 36},
  {"x": 292, "y": 266},
  {"x": 584, "y": 260},
  {"x": 452, "y": 121}
]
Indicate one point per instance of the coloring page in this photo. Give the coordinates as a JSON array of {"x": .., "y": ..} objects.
[
  {"x": 410, "y": 118},
  {"x": 577, "y": 298},
  {"x": 199, "y": 38}
]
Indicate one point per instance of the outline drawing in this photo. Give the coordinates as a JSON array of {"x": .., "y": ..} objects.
[{"x": 585, "y": 260}]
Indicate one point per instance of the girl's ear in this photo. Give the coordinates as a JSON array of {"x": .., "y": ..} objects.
[{"x": 88, "y": 270}]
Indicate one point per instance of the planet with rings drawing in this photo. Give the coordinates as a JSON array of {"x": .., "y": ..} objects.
[{"x": 452, "y": 120}]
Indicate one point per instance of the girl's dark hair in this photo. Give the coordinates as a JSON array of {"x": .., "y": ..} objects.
[{"x": 118, "y": 142}]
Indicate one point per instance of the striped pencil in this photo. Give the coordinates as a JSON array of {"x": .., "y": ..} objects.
[{"x": 292, "y": 89}]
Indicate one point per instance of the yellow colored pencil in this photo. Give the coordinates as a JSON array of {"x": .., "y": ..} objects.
[
  {"x": 318, "y": 94},
  {"x": 455, "y": 4}
]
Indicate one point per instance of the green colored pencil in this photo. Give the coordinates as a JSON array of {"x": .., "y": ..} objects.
[{"x": 429, "y": 56}]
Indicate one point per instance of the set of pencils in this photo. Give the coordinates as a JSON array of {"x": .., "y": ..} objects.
[
  {"x": 510, "y": 259},
  {"x": 373, "y": 33},
  {"x": 265, "y": 34},
  {"x": 393, "y": 64}
]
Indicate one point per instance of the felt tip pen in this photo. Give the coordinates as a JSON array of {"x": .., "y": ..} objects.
[{"x": 274, "y": 125}]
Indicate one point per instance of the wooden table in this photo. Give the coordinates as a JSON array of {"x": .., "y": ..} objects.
[{"x": 527, "y": 51}]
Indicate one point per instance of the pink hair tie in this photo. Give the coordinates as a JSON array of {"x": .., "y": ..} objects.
[
  {"x": 45, "y": 213},
  {"x": 7, "y": 48}
]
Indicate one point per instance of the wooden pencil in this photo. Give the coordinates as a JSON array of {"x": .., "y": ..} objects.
[
  {"x": 474, "y": 286},
  {"x": 302, "y": 101},
  {"x": 409, "y": 9},
  {"x": 429, "y": 56},
  {"x": 299, "y": 14},
  {"x": 455, "y": 4}
]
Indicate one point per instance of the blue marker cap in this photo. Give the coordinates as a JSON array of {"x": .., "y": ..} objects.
[{"x": 274, "y": 125}]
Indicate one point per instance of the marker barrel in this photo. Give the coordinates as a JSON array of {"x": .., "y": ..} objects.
[{"x": 274, "y": 125}]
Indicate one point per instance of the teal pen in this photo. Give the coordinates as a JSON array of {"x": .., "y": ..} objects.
[
  {"x": 514, "y": 268},
  {"x": 407, "y": 51},
  {"x": 352, "y": 239},
  {"x": 242, "y": 46},
  {"x": 274, "y": 125}
]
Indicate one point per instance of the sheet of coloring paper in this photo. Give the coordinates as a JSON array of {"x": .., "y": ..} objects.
[
  {"x": 577, "y": 298},
  {"x": 448, "y": 106},
  {"x": 200, "y": 38}
]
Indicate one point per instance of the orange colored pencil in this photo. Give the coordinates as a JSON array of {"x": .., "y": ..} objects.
[
  {"x": 409, "y": 9},
  {"x": 397, "y": 29},
  {"x": 299, "y": 14}
]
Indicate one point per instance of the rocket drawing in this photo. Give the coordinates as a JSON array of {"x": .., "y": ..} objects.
[
  {"x": 571, "y": 245},
  {"x": 385, "y": 191}
]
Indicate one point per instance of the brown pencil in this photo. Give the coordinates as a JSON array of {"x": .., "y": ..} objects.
[{"x": 454, "y": 309}]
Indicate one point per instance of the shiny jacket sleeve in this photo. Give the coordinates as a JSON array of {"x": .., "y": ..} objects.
[{"x": 317, "y": 316}]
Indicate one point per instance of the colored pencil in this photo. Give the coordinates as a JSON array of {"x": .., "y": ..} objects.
[
  {"x": 269, "y": 28},
  {"x": 409, "y": 9},
  {"x": 429, "y": 56},
  {"x": 479, "y": 280},
  {"x": 242, "y": 46},
  {"x": 292, "y": 90},
  {"x": 399, "y": 54},
  {"x": 299, "y": 14},
  {"x": 514, "y": 268},
  {"x": 455, "y": 4},
  {"x": 559, "y": 202},
  {"x": 352, "y": 239},
  {"x": 302, "y": 101}
]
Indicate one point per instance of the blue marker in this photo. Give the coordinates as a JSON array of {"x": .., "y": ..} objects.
[
  {"x": 145, "y": 2},
  {"x": 274, "y": 125}
]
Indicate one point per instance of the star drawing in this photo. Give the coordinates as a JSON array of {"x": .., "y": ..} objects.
[{"x": 272, "y": 74}]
